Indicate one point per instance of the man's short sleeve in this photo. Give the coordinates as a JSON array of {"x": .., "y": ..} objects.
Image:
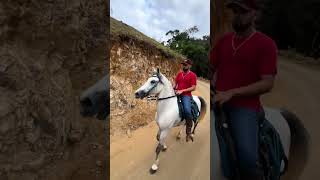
[
  {"x": 268, "y": 58},
  {"x": 193, "y": 79}
]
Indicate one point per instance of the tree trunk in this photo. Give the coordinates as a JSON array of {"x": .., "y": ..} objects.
[{"x": 220, "y": 20}]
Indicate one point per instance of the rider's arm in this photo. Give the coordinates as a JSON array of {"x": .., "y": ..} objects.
[
  {"x": 174, "y": 85},
  {"x": 192, "y": 88},
  {"x": 263, "y": 86}
]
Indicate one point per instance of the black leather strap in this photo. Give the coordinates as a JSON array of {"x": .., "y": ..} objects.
[{"x": 159, "y": 99}]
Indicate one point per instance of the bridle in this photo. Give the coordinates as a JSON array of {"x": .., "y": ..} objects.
[{"x": 157, "y": 75}]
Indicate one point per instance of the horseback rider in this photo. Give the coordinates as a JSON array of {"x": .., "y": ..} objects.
[
  {"x": 185, "y": 83},
  {"x": 244, "y": 63}
]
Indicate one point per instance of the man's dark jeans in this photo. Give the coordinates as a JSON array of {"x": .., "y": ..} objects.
[
  {"x": 186, "y": 102},
  {"x": 243, "y": 123}
]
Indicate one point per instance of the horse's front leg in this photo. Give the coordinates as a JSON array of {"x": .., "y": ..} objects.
[
  {"x": 179, "y": 133},
  {"x": 160, "y": 147},
  {"x": 158, "y": 135},
  {"x": 165, "y": 147}
]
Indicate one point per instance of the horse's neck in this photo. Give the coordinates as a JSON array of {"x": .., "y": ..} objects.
[{"x": 167, "y": 90}]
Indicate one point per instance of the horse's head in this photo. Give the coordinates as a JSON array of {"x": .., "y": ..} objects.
[
  {"x": 94, "y": 101},
  {"x": 152, "y": 86}
]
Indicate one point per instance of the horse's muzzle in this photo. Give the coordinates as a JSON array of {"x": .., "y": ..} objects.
[{"x": 140, "y": 94}]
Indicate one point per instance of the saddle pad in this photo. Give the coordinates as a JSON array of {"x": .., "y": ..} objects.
[
  {"x": 194, "y": 110},
  {"x": 279, "y": 123}
]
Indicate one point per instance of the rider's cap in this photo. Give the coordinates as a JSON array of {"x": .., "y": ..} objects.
[
  {"x": 187, "y": 61},
  {"x": 245, "y": 4}
]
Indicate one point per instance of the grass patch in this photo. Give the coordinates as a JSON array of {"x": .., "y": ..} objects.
[{"x": 119, "y": 28}]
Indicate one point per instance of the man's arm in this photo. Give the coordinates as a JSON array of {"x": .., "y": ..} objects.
[
  {"x": 261, "y": 87},
  {"x": 192, "y": 88}
]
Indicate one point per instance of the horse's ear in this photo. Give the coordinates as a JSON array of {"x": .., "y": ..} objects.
[{"x": 159, "y": 75}]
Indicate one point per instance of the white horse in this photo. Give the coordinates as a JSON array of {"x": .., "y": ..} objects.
[
  {"x": 167, "y": 115},
  {"x": 294, "y": 138}
]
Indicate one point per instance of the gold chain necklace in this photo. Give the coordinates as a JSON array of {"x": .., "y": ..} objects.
[
  {"x": 184, "y": 75},
  {"x": 236, "y": 49}
]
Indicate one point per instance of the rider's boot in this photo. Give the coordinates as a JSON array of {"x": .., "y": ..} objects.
[{"x": 189, "y": 124}]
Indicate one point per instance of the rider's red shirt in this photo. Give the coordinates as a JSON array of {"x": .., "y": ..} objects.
[
  {"x": 256, "y": 57},
  {"x": 186, "y": 80}
]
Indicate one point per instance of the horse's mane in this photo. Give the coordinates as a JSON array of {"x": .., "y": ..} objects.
[{"x": 165, "y": 80}]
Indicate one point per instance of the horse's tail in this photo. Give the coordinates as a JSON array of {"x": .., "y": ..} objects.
[
  {"x": 203, "y": 108},
  {"x": 299, "y": 145}
]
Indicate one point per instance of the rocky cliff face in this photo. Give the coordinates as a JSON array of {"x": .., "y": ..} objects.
[
  {"x": 131, "y": 62},
  {"x": 50, "y": 51}
]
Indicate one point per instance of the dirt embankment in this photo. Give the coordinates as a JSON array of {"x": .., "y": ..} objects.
[
  {"x": 130, "y": 66},
  {"x": 50, "y": 51}
]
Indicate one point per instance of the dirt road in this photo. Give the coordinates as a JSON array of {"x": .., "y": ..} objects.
[
  {"x": 131, "y": 158},
  {"x": 298, "y": 89}
]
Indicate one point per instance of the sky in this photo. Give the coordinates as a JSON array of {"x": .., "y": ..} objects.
[{"x": 156, "y": 17}]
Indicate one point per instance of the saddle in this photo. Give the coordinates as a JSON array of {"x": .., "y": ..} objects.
[
  {"x": 271, "y": 152},
  {"x": 194, "y": 110}
]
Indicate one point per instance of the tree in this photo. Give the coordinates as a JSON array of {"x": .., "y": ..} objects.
[
  {"x": 193, "y": 48},
  {"x": 292, "y": 23}
]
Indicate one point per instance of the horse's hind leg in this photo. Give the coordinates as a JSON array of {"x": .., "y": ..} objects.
[
  {"x": 160, "y": 147},
  {"x": 194, "y": 128}
]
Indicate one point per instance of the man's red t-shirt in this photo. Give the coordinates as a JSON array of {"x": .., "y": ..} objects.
[
  {"x": 255, "y": 58},
  {"x": 186, "y": 80}
]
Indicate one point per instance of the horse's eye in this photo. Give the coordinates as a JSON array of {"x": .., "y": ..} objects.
[{"x": 153, "y": 81}]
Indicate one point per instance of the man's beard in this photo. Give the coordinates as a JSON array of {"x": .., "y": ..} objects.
[
  {"x": 238, "y": 27},
  {"x": 185, "y": 69}
]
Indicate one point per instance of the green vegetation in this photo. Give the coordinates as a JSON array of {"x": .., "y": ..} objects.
[
  {"x": 193, "y": 48},
  {"x": 119, "y": 28},
  {"x": 293, "y": 24}
]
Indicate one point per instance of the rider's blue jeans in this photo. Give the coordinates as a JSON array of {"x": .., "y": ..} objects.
[
  {"x": 244, "y": 126},
  {"x": 186, "y": 101}
]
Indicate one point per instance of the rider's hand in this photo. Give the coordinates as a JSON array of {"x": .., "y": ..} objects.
[
  {"x": 223, "y": 96},
  {"x": 178, "y": 92}
]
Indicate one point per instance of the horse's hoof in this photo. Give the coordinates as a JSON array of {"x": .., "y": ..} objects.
[
  {"x": 178, "y": 137},
  {"x": 189, "y": 137},
  {"x": 164, "y": 148},
  {"x": 153, "y": 169}
]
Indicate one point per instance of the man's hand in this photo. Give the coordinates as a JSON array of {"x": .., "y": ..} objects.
[
  {"x": 178, "y": 92},
  {"x": 222, "y": 97}
]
